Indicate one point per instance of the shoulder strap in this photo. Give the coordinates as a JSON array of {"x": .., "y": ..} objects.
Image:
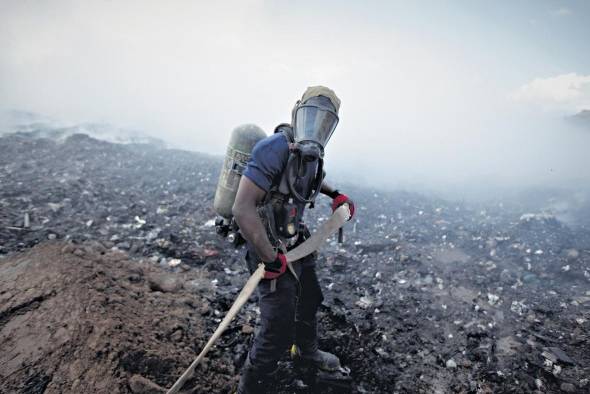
[{"x": 287, "y": 131}]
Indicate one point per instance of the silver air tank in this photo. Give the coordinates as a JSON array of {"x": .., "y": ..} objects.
[{"x": 242, "y": 140}]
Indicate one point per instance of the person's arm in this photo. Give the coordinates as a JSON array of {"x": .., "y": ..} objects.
[
  {"x": 249, "y": 195},
  {"x": 328, "y": 190},
  {"x": 337, "y": 198}
]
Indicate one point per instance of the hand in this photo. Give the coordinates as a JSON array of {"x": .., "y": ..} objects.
[
  {"x": 342, "y": 199},
  {"x": 276, "y": 268}
]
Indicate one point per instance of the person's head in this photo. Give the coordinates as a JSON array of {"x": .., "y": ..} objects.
[{"x": 315, "y": 116}]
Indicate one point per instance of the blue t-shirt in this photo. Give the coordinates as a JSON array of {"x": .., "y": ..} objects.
[
  {"x": 265, "y": 168},
  {"x": 268, "y": 160}
]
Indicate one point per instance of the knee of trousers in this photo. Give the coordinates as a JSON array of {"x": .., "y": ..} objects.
[
  {"x": 311, "y": 296},
  {"x": 277, "y": 315}
]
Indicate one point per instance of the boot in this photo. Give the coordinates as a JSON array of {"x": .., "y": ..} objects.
[
  {"x": 306, "y": 352},
  {"x": 251, "y": 381},
  {"x": 316, "y": 358}
]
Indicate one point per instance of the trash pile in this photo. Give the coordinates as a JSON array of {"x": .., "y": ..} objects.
[
  {"x": 424, "y": 295},
  {"x": 148, "y": 201},
  {"x": 447, "y": 298}
]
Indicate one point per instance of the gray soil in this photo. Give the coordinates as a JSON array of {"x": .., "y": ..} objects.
[{"x": 112, "y": 278}]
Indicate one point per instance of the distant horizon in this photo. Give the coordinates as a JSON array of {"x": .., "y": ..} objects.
[
  {"x": 469, "y": 190},
  {"x": 433, "y": 93}
]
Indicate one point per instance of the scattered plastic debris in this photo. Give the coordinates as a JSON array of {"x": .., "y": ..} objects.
[
  {"x": 451, "y": 364},
  {"x": 486, "y": 284},
  {"x": 174, "y": 262}
]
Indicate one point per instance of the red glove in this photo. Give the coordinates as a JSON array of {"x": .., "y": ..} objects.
[
  {"x": 341, "y": 199},
  {"x": 276, "y": 268}
]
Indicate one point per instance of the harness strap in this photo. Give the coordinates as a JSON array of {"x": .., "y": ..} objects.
[
  {"x": 289, "y": 264},
  {"x": 273, "y": 282}
]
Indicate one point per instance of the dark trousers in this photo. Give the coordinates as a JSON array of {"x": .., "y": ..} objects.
[{"x": 287, "y": 314}]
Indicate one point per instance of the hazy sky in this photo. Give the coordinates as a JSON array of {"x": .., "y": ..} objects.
[{"x": 433, "y": 92}]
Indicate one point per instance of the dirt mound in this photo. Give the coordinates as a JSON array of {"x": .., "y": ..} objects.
[{"x": 88, "y": 320}]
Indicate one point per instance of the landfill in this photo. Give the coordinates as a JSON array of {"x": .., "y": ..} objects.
[{"x": 112, "y": 278}]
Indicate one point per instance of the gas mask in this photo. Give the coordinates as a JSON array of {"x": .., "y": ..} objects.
[{"x": 314, "y": 119}]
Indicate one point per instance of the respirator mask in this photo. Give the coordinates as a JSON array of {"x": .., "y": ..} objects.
[{"x": 314, "y": 121}]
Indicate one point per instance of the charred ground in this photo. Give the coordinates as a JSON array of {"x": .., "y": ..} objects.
[{"x": 129, "y": 279}]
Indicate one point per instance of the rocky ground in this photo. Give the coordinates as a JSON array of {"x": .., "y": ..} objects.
[{"x": 112, "y": 278}]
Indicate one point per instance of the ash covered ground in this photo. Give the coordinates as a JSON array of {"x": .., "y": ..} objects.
[{"x": 112, "y": 279}]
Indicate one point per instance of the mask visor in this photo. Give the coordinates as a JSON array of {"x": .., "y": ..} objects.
[{"x": 313, "y": 123}]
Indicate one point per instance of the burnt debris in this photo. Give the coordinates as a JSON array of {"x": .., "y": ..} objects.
[{"x": 425, "y": 295}]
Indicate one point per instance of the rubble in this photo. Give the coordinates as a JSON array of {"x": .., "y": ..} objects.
[
  {"x": 451, "y": 364},
  {"x": 164, "y": 283},
  {"x": 425, "y": 295},
  {"x": 557, "y": 355},
  {"x": 140, "y": 385}
]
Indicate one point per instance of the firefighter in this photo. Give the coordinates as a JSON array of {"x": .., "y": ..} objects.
[{"x": 284, "y": 176}]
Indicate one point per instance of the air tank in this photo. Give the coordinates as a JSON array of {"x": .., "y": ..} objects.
[{"x": 242, "y": 140}]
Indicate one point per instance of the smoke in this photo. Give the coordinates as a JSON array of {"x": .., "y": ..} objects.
[{"x": 432, "y": 97}]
